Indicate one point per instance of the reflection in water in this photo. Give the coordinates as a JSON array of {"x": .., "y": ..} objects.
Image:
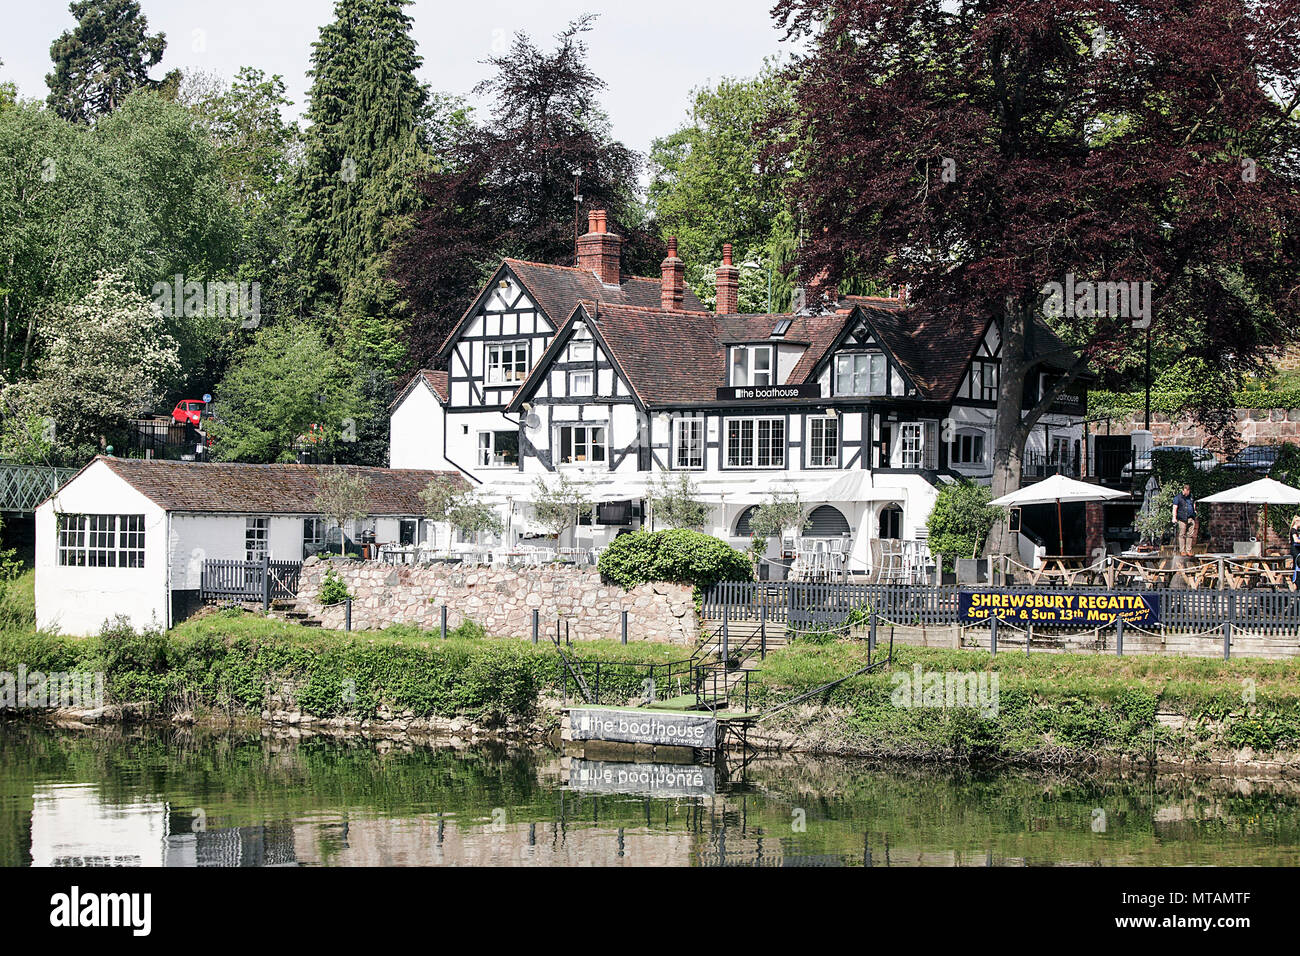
[{"x": 151, "y": 797}]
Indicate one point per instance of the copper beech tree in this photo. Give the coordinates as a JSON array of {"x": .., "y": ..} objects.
[{"x": 981, "y": 151}]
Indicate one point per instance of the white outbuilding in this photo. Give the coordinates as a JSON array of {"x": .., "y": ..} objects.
[{"x": 129, "y": 536}]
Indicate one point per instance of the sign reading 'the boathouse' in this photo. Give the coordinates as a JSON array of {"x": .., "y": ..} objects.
[
  {"x": 1069, "y": 608},
  {"x": 644, "y": 727}
]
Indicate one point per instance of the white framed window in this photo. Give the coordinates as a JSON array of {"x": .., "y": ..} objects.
[
  {"x": 257, "y": 533},
  {"x": 101, "y": 541},
  {"x": 917, "y": 445},
  {"x": 581, "y": 346},
  {"x": 984, "y": 381},
  {"x": 823, "y": 442},
  {"x": 967, "y": 448},
  {"x": 507, "y": 363},
  {"x": 688, "y": 443},
  {"x": 498, "y": 449},
  {"x": 580, "y": 383},
  {"x": 751, "y": 365},
  {"x": 861, "y": 373},
  {"x": 579, "y": 444},
  {"x": 755, "y": 442}
]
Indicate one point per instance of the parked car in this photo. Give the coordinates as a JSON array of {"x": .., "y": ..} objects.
[
  {"x": 1202, "y": 458},
  {"x": 188, "y": 411},
  {"x": 1258, "y": 458}
]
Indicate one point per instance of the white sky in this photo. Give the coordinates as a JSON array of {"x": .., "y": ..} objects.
[{"x": 651, "y": 53}]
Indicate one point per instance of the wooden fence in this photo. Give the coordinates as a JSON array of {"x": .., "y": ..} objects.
[{"x": 261, "y": 581}]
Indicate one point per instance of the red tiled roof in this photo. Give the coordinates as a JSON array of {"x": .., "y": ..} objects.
[
  {"x": 680, "y": 357},
  {"x": 559, "y": 289},
  {"x": 667, "y": 356},
  {"x": 263, "y": 489},
  {"x": 436, "y": 380}
]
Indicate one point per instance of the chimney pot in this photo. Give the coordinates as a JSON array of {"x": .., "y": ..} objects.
[{"x": 726, "y": 253}]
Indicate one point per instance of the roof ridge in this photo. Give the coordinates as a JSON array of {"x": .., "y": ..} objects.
[{"x": 581, "y": 271}]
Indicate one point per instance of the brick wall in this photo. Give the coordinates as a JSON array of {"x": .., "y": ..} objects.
[{"x": 1255, "y": 426}]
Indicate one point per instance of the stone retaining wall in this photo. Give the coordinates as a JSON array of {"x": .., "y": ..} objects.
[
  {"x": 1255, "y": 426},
  {"x": 502, "y": 600}
]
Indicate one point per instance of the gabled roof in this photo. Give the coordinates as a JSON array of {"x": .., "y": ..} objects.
[
  {"x": 436, "y": 380},
  {"x": 680, "y": 357},
  {"x": 220, "y": 488},
  {"x": 559, "y": 289}
]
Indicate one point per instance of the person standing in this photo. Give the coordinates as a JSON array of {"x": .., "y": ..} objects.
[
  {"x": 1185, "y": 519},
  {"x": 1295, "y": 552}
]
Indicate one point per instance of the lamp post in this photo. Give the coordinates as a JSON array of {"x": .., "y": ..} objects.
[{"x": 752, "y": 264}]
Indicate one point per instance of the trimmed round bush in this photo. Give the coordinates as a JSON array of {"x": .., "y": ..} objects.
[{"x": 677, "y": 556}]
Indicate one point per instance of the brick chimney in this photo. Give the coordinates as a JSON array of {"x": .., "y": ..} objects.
[
  {"x": 672, "y": 288},
  {"x": 826, "y": 290},
  {"x": 728, "y": 284},
  {"x": 600, "y": 251}
]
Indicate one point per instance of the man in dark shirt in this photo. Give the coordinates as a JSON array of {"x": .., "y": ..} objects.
[{"x": 1185, "y": 519}]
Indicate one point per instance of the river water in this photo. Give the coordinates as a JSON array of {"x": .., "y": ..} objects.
[{"x": 153, "y": 797}]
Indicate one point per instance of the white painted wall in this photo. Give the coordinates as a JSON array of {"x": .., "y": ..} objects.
[
  {"x": 78, "y": 600},
  {"x": 416, "y": 430}
]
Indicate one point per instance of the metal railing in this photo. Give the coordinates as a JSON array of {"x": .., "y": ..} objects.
[
  {"x": 23, "y": 487},
  {"x": 1263, "y": 612}
]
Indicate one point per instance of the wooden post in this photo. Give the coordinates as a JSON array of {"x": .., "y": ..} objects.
[
  {"x": 993, "y": 634},
  {"x": 623, "y": 622},
  {"x": 535, "y": 625},
  {"x": 1119, "y": 635},
  {"x": 443, "y": 628},
  {"x": 266, "y": 582},
  {"x": 347, "y": 614}
]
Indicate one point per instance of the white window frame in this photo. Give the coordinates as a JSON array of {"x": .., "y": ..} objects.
[
  {"x": 578, "y": 374},
  {"x": 101, "y": 541},
  {"x": 489, "y": 460},
  {"x": 596, "y": 438},
  {"x": 693, "y": 444},
  {"x": 753, "y": 442},
  {"x": 824, "y": 460},
  {"x": 582, "y": 347},
  {"x": 503, "y": 370},
  {"x": 972, "y": 436},
  {"x": 257, "y": 530},
  {"x": 875, "y": 362},
  {"x": 743, "y": 366}
]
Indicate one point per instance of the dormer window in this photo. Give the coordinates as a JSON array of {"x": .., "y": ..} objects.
[
  {"x": 861, "y": 373},
  {"x": 751, "y": 365},
  {"x": 507, "y": 363}
]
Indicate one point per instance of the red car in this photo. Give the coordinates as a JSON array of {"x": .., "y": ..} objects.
[{"x": 188, "y": 412}]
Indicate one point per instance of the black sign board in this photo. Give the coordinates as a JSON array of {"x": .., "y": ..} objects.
[
  {"x": 769, "y": 393},
  {"x": 1052, "y": 608}
]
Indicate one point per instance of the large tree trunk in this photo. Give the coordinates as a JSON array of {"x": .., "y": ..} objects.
[{"x": 1011, "y": 429}]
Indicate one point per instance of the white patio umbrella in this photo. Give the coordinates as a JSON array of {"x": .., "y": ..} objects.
[
  {"x": 1056, "y": 489},
  {"x": 1265, "y": 491}
]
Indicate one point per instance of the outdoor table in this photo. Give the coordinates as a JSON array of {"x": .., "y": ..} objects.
[
  {"x": 1068, "y": 567},
  {"x": 1139, "y": 567},
  {"x": 1252, "y": 570}
]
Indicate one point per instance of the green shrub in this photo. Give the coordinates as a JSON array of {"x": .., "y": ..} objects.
[
  {"x": 332, "y": 589},
  {"x": 961, "y": 521},
  {"x": 677, "y": 556}
]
